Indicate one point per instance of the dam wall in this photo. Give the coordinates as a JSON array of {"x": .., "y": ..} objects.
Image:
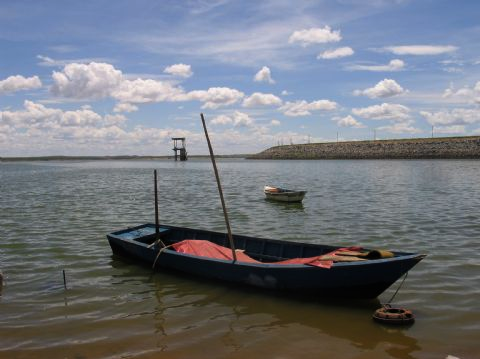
[{"x": 444, "y": 147}]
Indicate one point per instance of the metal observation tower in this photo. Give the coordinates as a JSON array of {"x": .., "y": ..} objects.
[{"x": 179, "y": 148}]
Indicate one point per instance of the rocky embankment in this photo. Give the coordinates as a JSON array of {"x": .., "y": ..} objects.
[{"x": 445, "y": 147}]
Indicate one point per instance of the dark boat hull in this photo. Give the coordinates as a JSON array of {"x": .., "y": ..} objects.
[{"x": 365, "y": 279}]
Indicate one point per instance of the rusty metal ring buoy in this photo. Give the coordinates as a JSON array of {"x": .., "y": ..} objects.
[{"x": 389, "y": 315}]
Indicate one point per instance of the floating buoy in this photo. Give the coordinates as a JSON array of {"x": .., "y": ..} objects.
[{"x": 397, "y": 316}]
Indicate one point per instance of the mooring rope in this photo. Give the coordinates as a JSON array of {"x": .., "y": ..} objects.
[
  {"x": 394, "y": 294},
  {"x": 158, "y": 255},
  {"x": 155, "y": 243}
]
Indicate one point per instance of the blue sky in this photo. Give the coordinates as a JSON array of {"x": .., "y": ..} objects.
[{"x": 123, "y": 77}]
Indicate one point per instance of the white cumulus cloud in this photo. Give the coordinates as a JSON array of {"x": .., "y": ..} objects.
[
  {"x": 465, "y": 95},
  {"x": 146, "y": 91},
  {"x": 420, "y": 49},
  {"x": 241, "y": 119},
  {"x": 221, "y": 120},
  {"x": 261, "y": 99},
  {"x": 384, "y": 88},
  {"x": 264, "y": 75},
  {"x": 457, "y": 116},
  {"x": 216, "y": 97},
  {"x": 37, "y": 129},
  {"x": 33, "y": 115},
  {"x": 36, "y": 115},
  {"x": 401, "y": 127},
  {"x": 315, "y": 35},
  {"x": 348, "y": 121},
  {"x": 304, "y": 108},
  {"x": 125, "y": 107},
  {"x": 86, "y": 81},
  {"x": 114, "y": 120},
  {"x": 99, "y": 80},
  {"x": 455, "y": 129},
  {"x": 385, "y": 111},
  {"x": 18, "y": 83},
  {"x": 394, "y": 65},
  {"x": 180, "y": 70},
  {"x": 336, "y": 53},
  {"x": 238, "y": 119}
]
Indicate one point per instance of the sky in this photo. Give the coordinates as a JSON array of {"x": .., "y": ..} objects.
[{"x": 124, "y": 77}]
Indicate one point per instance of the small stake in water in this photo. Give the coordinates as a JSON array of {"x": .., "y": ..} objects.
[{"x": 64, "y": 280}]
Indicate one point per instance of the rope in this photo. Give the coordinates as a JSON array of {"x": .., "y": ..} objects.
[
  {"x": 155, "y": 243},
  {"x": 387, "y": 305},
  {"x": 158, "y": 255}
]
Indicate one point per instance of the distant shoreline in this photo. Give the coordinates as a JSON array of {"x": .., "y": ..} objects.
[
  {"x": 467, "y": 147},
  {"x": 107, "y": 158}
]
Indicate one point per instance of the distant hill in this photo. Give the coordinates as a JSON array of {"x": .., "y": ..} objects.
[{"x": 441, "y": 147}]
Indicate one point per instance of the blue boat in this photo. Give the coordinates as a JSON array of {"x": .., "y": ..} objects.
[
  {"x": 323, "y": 270},
  {"x": 326, "y": 271}
]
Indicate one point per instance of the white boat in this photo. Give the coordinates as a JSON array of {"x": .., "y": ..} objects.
[{"x": 283, "y": 195}]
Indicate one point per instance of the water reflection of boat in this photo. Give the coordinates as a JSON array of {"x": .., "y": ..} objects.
[
  {"x": 259, "y": 262},
  {"x": 283, "y": 194},
  {"x": 246, "y": 321},
  {"x": 291, "y": 207}
]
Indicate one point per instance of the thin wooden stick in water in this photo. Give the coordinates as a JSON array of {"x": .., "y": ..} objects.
[
  {"x": 157, "y": 226},
  {"x": 217, "y": 177},
  {"x": 64, "y": 280}
]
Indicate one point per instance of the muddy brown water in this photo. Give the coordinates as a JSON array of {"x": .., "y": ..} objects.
[{"x": 54, "y": 216}]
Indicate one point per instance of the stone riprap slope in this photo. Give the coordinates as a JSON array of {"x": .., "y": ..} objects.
[{"x": 445, "y": 147}]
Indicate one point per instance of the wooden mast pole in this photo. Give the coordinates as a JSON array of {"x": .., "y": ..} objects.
[{"x": 217, "y": 177}]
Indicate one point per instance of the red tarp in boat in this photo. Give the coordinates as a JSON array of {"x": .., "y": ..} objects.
[{"x": 203, "y": 248}]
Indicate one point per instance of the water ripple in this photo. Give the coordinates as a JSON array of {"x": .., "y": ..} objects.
[{"x": 55, "y": 216}]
